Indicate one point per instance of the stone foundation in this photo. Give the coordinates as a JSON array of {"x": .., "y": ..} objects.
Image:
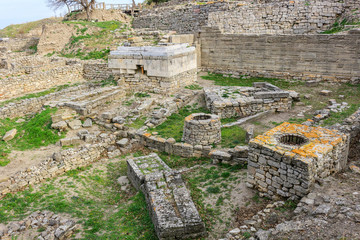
[
  {"x": 287, "y": 160},
  {"x": 246, "y": 101},
  {"x": 142, "y": 83},
  {"x": 172, "y": 210},
  {"x": 202, "y": 129}
]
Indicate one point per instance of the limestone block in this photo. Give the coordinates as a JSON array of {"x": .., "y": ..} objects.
[{"x": 9, "y": 135}]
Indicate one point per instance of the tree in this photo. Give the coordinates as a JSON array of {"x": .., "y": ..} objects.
[
  {"x": 87, "y": 5},
  {"x": 56, "y": 4}
]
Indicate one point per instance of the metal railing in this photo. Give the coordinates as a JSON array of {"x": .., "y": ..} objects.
[{"x": 104, "y": 6}]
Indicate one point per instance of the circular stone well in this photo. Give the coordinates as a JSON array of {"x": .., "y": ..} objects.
[
  {"x": 292, "y": 139},
  {"x": 202, "y": 129}
]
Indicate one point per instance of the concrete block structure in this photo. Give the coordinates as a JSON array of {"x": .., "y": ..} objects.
[
  {"x": 202, "y": 129},
  {"x": 287, "y": 160},
  {"x": 161, "y": 69},
  {"x": 246, "y": 101},
  {"x": 171, "y": 208}
]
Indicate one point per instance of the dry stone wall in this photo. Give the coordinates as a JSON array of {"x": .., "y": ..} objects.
[
  {"x": 141, "y": 82},
  {"x": 333, "y": 58},
  {"x": 295, "y": 17},
  {"x": 284, "y": 17},
  {"x": 14, "y": 86},
  {"x": 18, "y": 44},
  {"x": 64, "y": 161},
  {"x": 241, "y": 102},
  {"x": 31, "y": 105},
  {"x": 97, "y": 71}
]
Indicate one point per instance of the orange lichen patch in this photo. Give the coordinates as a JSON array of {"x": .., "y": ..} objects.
[
  {"x": 309, "y": 120},
  {"x": 147, "y": 134},
  {"x": 188, "y": 118},
  {"x": 320, "y": 140}
]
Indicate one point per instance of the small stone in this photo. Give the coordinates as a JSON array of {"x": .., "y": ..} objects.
[
  {"x": 123, "y": 180},
  {"x": 62, "y": 125},
  {"x": 10, "y": 135},
  {"x": 123, "y": 142},
  {"x": 118, "y": 119},
  {"x": 253, "y": 229},
  {"x": 307, "y": 96},
  {"x": 325, "y": 92},
  {"x": 20, "y": 120},
  {"x": 75, "y": 124},
  {"x": 322, "y": 209},
  {"x": 235, "y": 231},
  {"x": 87, "y": 123}
]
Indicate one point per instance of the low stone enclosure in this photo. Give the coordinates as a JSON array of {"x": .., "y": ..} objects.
[
  {"x": 172, "y": 210},
  {"x": 241, "y": 102},
  {"x": 287, "y": 160},
  {"x": 158, "y": 69},
  {"x": 202, "y": 129}
]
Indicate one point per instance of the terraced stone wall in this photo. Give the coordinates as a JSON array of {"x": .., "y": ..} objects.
[{"x": 332, "y": 58}]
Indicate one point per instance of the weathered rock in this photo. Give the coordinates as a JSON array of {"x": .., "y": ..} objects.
[
  {"x": 10, "y": 135},
  {"x": 123, "y": 142},
  {"x": 87, "y": 123},
  {"x": 75, "y": 124},
  {"x": 62, "y": 125}
]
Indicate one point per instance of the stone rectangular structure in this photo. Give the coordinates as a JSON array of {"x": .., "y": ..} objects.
[
  {"x": 287, "y": 160},
  {"x": 171, "y": 208},
  {"x": 246, "y": 101},
  {"x": 161, "y": 69}
]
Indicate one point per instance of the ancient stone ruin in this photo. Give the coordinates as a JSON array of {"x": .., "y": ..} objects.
[
  {"x": 202, "y": 129},
  {"x": 160, "y": 69},
  {"x": 253, "y": 104},
  {"x": 288, "y": 159},
  {"x": 172, "y": 211},
  {"x": 246, "y": 101}
]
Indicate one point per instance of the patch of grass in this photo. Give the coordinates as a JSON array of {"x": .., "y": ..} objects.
[
  {"x": 213, "y": 189},
  {"x": 220, "y": 80},
  {"x": 16, "y": 30},
  {"x": 228, "y": 120},
  {"x": 107, "y": 25},
  {"x": 142, "y": 95},
  {"x": 33, "y": 133},
  {"x": 247, "y": 235},
  {"x": 232, "y": 137},
  {"x": 138, "y": 123},
  {"x": 103, "y": 210},
  {"x": 288, "y": 206},
  {"x": 340, "y": 26},
  {"x": 176, "y": 161},
  {"x": 174, "y": 124},
  {"x": 340, "y": 116},
  {"x": 95, "y": 54},
  {"x": 110, "y": 81},
  {"x": 194, "y": 87}
]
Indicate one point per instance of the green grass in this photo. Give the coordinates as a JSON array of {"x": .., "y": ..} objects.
[
  {"x": 142, "y": 94},
  {"x": 16, "y": 30},
  {"x": 138, "y": 123},
  {"x": 340, "y": 116},
  {"x": 220, "y": 80},
  {"x": 36, "y": 95},
  {"x": 176, "y": 161},
  {"x": 107, "y": 25},
  {"x": 194, "y": 87},
  {"x": 340, "y": 26},
  {"x": 95, "y": 54},
  {"x": 93, "y": 197},
  {"x": 232, "y": 137},
  {"x": 33, "y": 133},
  {"x": 174, "y": 125}
]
